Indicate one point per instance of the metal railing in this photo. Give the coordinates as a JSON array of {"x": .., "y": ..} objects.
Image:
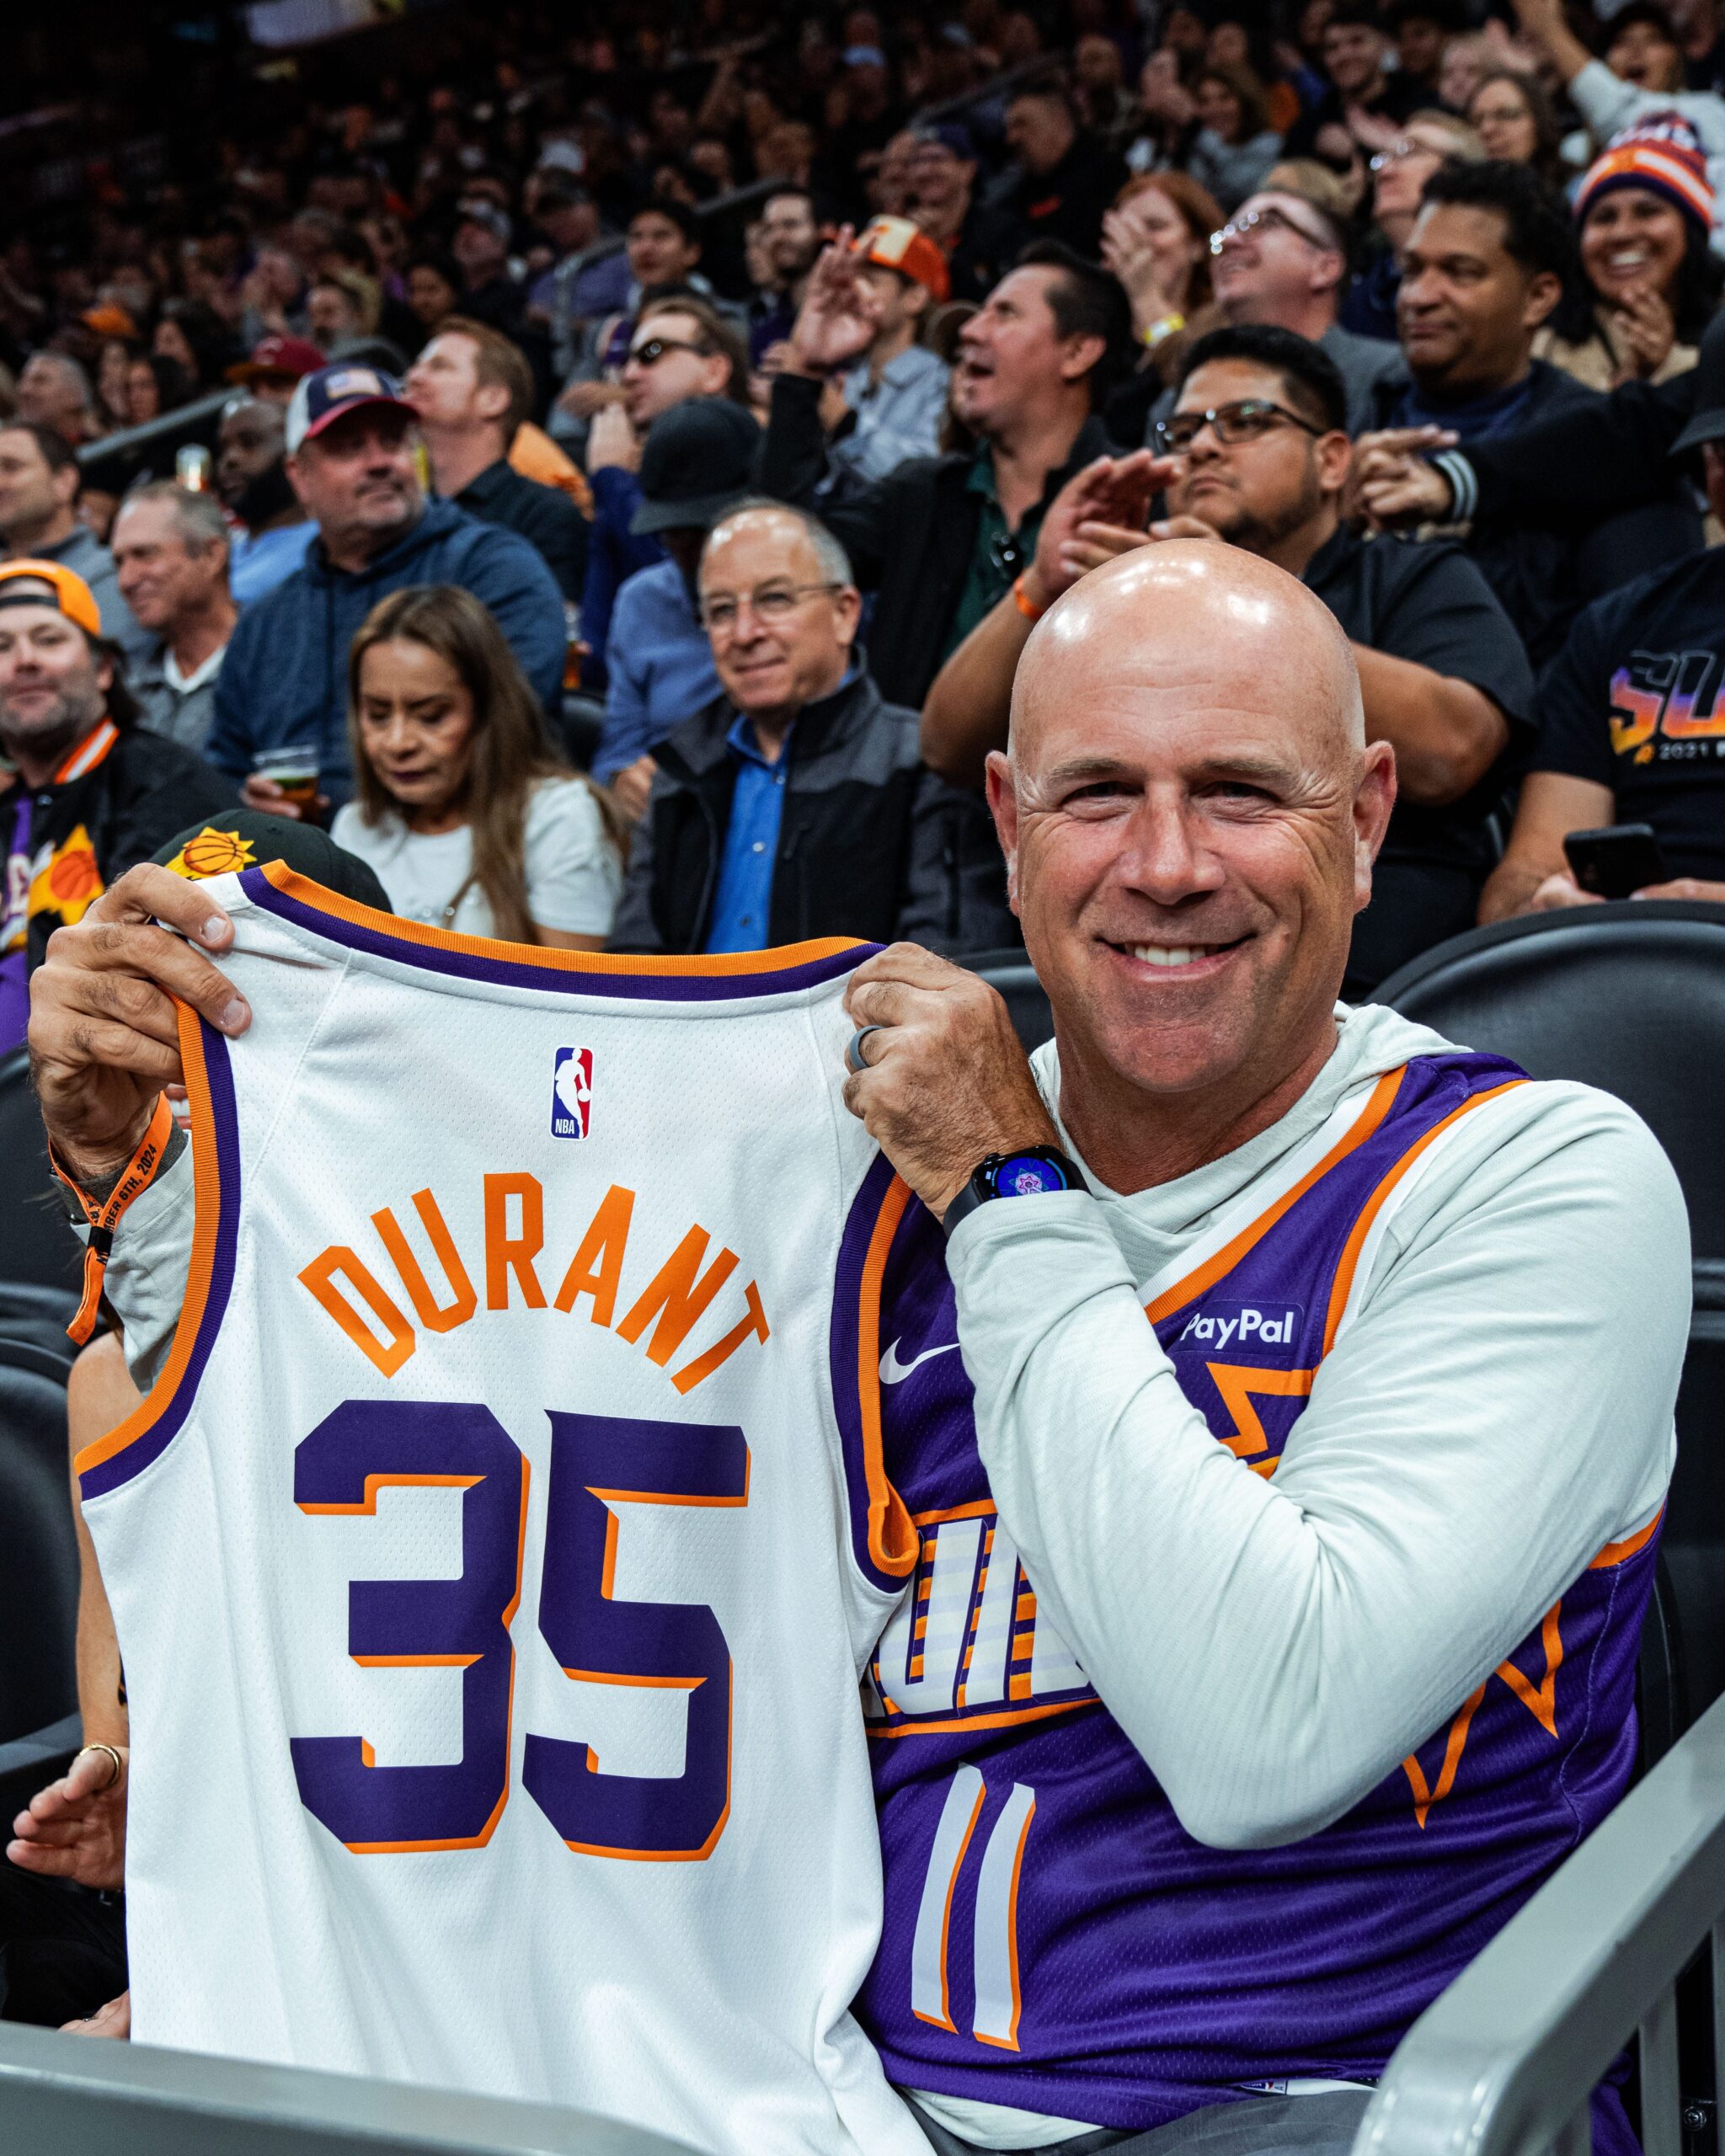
[
  {"x": 1504, "y": 2062},
  {"x": 174, "y": 426},
  {"x": 64, "y": 2094}
]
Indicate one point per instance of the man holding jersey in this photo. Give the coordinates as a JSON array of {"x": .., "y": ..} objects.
[{"x": 1251, "y": 1674}]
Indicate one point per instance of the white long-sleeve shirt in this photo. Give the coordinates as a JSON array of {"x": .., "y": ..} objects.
[{"x": 1497, "y": 1408}]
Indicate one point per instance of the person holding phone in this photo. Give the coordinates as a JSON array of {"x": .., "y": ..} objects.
[{"x": 1631, "y": 731}]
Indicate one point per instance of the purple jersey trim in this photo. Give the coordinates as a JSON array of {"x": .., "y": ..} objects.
[
  {"x": 220, "y": 1135},
  {"x": 653, "y": 980}
]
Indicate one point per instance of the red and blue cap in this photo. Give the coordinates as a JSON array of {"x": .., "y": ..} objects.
[{"x": 320, "y": 399}]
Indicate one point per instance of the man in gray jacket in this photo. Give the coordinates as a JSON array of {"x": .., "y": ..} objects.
[{"x": 796, "y": 803}]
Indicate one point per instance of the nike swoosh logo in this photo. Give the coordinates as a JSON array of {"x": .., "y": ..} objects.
[{"x": 894, "y": 1371}]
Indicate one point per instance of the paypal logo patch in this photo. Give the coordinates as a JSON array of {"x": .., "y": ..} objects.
[{"x": 1244, "y": 1324}]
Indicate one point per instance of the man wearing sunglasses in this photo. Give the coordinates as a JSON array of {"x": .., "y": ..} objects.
[
  {"x": 1255, "y": 454},
  {"x": 681, "y": 346},
  {"x": 1282, "y": 259}
]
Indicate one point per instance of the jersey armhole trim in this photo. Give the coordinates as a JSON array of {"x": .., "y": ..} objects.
[
  {"x": 884, "y": 1540},
  {"x": 702, "y": 978},
  {"x": 146, "y": 1433}
]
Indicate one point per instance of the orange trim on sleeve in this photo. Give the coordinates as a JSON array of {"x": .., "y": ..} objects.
[
  {"x": 1344, "y": 1281},
  {"x": 1619, "y": 1553},
  {"x": 782, "y": 959},
  {"x": 1226, "y": 1259},
  {"x": 892, "y": 1542},
  {"x": 208, "y": 1217}
]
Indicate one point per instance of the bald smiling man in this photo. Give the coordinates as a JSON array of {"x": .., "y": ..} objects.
[
  {"x": 1286, "y": 1454},
  {"x": 1289, "y": 1513}
]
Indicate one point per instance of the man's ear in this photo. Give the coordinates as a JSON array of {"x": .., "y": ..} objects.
[
  {"x": 1079, "y": 354},
  {"x": 1003, "y": 807},
  {"x": 1544, "y": 291},
  {"x": 492, "y": 400},
  {"x": 1328, "y": 270},
  {"x": 1374, "y": 797},
  {"x": 294, "y": 466},
  {"x": 1335, "y": 455},
  {"x": 66, "y": 482}
]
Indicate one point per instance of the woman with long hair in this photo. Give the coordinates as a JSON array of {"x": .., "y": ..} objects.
[
  {"x": 1643, "y": 215},
  {"x": 462, "y": 808}
]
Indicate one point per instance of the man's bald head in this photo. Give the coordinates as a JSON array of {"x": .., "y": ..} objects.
[
  {"x": 1189, "y": 809},
  {"x": 1188, "y": 611}
]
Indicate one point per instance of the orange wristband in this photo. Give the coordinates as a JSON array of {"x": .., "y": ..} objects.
[{"x": 1022, "y": 601}]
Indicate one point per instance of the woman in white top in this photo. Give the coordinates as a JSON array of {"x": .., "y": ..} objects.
[{"x": 461, "y": 804}]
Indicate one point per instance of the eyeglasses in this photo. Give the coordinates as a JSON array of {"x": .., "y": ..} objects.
[
  {"x": 649, "y": 354},
  {"x": 1399, "y": 152},
  {"x": 775, "y": 603},
  {"x": 1250, "y": 220},
  {"x": 1246, "y": 420}
]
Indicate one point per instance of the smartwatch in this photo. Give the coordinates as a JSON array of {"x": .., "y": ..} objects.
[{"x": 1026, "y": 1173}]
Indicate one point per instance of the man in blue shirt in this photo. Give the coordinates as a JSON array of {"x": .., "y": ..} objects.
[{"x": 795, "y": 804}]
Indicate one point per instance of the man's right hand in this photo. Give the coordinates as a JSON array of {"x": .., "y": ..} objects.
[
  {"x": 103, "y": 1033},
  {"x": 75, "y": 1828},
  {"x": 1115, "y": 492},
  {"x": 839, "y": 317},
  {"x": 1393, "y": 481}
]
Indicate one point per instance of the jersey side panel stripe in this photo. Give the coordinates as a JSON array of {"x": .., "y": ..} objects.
[{"x": 883, "y": 1539}]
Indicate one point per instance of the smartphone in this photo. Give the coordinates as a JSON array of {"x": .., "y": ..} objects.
[{"x": 1617, "y": 861}]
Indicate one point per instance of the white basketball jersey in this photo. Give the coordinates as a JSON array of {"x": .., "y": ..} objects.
[{"x": 491, "y": 1569}]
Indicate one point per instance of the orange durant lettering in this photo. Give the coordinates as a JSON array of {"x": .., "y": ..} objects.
[
  {"x": 597, "y": 1265},
  {"x": 388, "y": 1350},
  {"x": 753, "y": 1327},
  {"x": 676, "y": 1295},
  {"x": 434, "y": 1316},
  {"x": 505, "y": 1253}
]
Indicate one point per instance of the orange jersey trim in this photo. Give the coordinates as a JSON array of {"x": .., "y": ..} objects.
[
  {"x": 894, "y": 1542},
  {"x": 1344, "y": 1281},
  {"x": 782, "y": 959},
  {"x": 207, "y": 1218},
  {"x": 1619, "y": 1553},
  {"x": 1377, "y": 1107}
]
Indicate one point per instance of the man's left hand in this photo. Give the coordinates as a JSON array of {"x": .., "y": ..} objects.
[{"x": 947, "y": 1082}]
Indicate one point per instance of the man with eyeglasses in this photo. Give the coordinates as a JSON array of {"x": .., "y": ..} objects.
[
  {"x": 681, "y": 346},
  {"x": 795, "y": 804},
  {"x": 1282, "y": 259},
  {"x": 1254, "y": 454}
]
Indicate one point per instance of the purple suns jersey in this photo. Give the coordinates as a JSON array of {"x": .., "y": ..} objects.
[{"x": 1053, "y": 1940}]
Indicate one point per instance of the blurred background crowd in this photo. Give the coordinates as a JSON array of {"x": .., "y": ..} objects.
[{"x": 729, "y": 390}]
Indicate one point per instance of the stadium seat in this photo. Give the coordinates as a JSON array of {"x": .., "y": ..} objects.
[
  {"x": 1013, "y": 974},
  {"x": 39, "y": 1568},
  {"x": 1630, "y": 998},
  {"x": 36, "y": 1247}
]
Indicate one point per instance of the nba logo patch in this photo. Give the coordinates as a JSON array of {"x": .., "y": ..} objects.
[{"x": 571, "y": 1092}]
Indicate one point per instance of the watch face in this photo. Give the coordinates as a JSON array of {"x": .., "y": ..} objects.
[{"x": 1022, "y": 1175}]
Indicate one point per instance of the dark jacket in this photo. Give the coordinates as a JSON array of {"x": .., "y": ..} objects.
[
  {"x": 1612, "y": 453},
  {"x": 872, "y": 844},
  {"x": 85, "y": 832},
  {"x": 910, "y": 537},
  {"x": 284, "y": 680},
  {"x": 1546, "y": 566},
  {"x": 1069, "y": 203},
  {"x": 545, "y": 516}
]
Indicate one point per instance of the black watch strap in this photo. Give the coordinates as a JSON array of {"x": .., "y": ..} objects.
[{"x": 1029, "y": 1171}]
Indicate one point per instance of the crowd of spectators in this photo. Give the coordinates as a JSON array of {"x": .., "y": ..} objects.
[{"x": 617, "y": 488}]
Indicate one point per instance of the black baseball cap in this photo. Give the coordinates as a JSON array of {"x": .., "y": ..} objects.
[
  {"x": 698, "y": 463},
  {"x": 246, "y": 838}
]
